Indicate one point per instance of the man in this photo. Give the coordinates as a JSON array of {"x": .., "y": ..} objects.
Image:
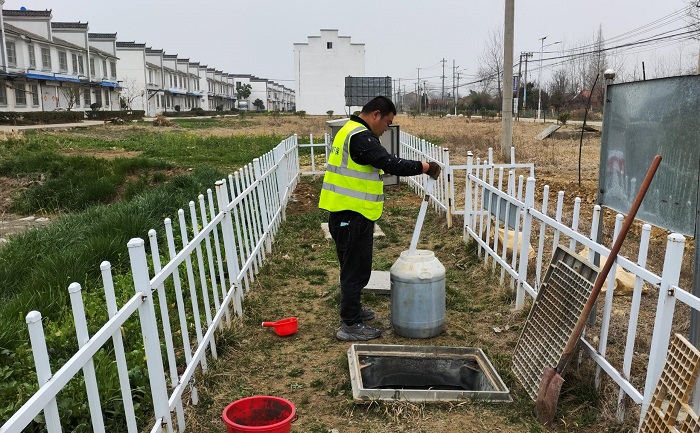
[{"x": 353, "y": 194}]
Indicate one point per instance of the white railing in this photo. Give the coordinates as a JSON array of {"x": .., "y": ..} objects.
[
  {"x": 485, "y": 197},
  {"x": 251, "y": 206}
]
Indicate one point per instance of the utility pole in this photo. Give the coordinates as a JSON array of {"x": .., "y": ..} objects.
[
  {"x": 420, "y": 99},
  {"x": 398, "y": 92},
  {"x": 517, "y": 88},
  {"x": 527, "y": 55},
  {"x": 507, "y": 103},
  {"x": 454, "y": 88},
  {"x": 427, "y": 98},
  {"x": 442, "y": 96},
  {"x": 539, "y": 78}
]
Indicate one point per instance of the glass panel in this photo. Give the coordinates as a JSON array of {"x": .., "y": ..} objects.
[{"x": 643, "y": 119}]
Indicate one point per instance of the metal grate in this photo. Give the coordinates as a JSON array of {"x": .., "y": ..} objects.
[
  {"x": 674, "y": 387},
  {"x": 565, "y": 289}
]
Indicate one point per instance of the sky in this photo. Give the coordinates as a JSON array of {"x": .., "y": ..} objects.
[{"x": 257, "y": 36}]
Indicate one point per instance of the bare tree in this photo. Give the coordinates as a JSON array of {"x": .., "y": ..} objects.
[
  {"x": 131, "y": 90},
  {"x": 558, "y": 87},
  {"x": 490, "y": 70},
  {"x": 71, "y": 92},
  {"x": 596, "y": 65}
]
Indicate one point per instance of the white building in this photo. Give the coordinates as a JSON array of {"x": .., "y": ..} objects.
[
  {"x": 47, "y": 65},
  {"x": 320, "y": 66}
]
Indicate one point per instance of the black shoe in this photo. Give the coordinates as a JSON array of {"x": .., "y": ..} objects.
[
  {"x": 357, "y": 332},
  {"x": 366, "y": 314}
]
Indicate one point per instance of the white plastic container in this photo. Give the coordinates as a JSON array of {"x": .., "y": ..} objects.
[{"x": 417, "y": 295}]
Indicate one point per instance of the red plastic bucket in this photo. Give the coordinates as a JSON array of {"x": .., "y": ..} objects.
[{"x": 259, "y": 414}]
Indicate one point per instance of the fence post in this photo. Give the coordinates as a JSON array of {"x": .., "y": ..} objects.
[
  {"x": 468, "y": 207},
  {"x": 81, "y": 331},
  {"x": 527, "y": 225},
  {"x": 147, "y": 317},
  {"x": 450, "y": 187},
  {"x": 281, "y": 163},
  {"x": 229, "y": 247},
  {"x": 262, "y": 204},
  {"x": 43, "y": 368},
  {"x": 664, "y": 315}
]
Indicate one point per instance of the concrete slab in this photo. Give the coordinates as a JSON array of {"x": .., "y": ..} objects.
[
  {"x": 379, "y": 283},
  {"x": 547, "y": 132},
  {"x": 378, "y": 233}
]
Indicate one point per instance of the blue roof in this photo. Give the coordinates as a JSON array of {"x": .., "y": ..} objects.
[{"x": 51, "y": 78}]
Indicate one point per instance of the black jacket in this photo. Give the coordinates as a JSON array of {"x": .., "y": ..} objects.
[{"x": 365, "y": 149}]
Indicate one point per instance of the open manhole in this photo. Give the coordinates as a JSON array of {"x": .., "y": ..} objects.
[{"x": 423, "y": 374}]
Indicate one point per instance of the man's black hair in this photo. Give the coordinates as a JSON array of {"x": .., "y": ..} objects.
[{"x": 381, "y": 103}]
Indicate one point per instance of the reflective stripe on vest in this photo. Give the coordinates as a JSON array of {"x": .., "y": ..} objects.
[{"x": 348, "y": 185}]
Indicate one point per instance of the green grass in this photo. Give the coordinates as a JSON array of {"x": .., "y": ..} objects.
[{"x": 171, "y": 147}]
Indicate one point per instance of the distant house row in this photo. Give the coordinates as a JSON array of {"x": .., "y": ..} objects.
[{"x": 50, "y": 66}]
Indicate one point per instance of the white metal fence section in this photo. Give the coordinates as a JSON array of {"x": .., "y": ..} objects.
[
  {"x": 220, "y": 260},
  {"x": 490, "y": 209}
]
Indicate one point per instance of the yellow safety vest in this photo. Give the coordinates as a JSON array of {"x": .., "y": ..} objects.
[{"x": 348, "y": 185}]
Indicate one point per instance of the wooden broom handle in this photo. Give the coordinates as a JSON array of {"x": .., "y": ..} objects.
[{"x": 598, "y": 285}]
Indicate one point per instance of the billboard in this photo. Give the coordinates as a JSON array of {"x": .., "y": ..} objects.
[{"x": 359, "y": 90}]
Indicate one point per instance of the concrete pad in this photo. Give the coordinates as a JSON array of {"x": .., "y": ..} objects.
[
  {"x": 547, "y": 132},
  {"x": 379, "y": 283},
  {"x": 378, "y": 233}
]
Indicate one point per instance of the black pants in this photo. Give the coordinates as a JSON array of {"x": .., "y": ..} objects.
[{"x": 352, "y": 234}]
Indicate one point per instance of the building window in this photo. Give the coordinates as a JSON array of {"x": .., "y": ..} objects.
[
  {"x": 32, "y": 57},
  {"x": 150, "y": 76},
  {"x": 62, "y": 61},
  {"x": 35, "y": 94},
  {"x": 98, "y": 97},
  {"x": 11, "y": 53},
  {"x": 113, "y": 66},
  {"x": 329, "y": 45},
  {"x": 74, "y": 59},
  {"x": 81, "y": 68},
  {"x": 3, "y": 93},
  {"x": 20, "y": 94},
  {"x": 86, "y": 97},
  {"x": 45, "y": 58},
  {"x": 104, "y": 68},
  {"x": 92, "y": 66}
]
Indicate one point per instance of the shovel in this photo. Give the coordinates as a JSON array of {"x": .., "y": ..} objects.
[
  {"x": 429, "y": 185},
  {"x": 550, "y": 386}
]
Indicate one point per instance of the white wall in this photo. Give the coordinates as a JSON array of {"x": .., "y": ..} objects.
[
  {"x": 320, "y": 72},
  {"x": 258, "y": 91},
  {"x": 131, "y": 70}
]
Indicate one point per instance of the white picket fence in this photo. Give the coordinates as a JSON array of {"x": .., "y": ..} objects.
[
  {"x": 225, "y": 254},
  {"x": 484, "y": 199}
]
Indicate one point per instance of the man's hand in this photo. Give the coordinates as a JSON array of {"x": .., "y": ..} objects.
[{"x": 433, "y": 170}]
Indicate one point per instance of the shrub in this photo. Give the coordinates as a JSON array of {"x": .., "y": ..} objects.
[
  {"x": 564, "y": 117},
  {"x": 95, "y": 106},
  {"x": 177, "y": 108},
  {"x": 108, "y": 115},
  {"x": 162, "y": 121},
  {"x": 199, "y": 111},
  {"x": 330, "y": 114},
  {"x": 219, "y": 108},
  {"x": 466, "y": 113},
  {"x": 40, "y": 117},
  {"x": 301, "y": 113}
]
